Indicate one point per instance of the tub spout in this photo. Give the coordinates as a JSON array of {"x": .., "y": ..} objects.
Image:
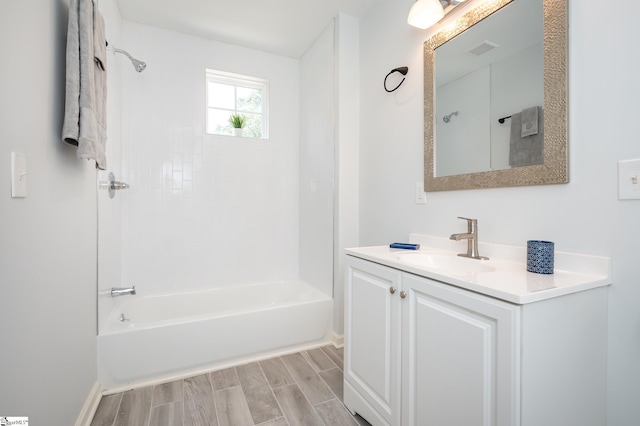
[{"x": 121, "y": 291}]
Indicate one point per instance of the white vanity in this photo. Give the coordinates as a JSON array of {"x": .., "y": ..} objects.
[{"x": 433, "y": 339}]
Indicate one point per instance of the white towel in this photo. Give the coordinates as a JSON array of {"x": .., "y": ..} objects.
[
  {"x": 86, "y": 83},
  {"x": 99, "y": 41}
]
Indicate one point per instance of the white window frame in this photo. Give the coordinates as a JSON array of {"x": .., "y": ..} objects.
[{"x": 239, "y": 80}]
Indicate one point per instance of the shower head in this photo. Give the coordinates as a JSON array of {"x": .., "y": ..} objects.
[{"x": 138, "y": 65}]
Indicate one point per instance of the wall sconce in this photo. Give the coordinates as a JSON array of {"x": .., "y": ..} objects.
[
  {"x": 401, "y": 70},
  {"x": 425, "y": 13}
]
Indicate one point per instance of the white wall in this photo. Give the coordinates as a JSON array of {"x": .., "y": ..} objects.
[
  {"x": 48, "y": 240},
  {"x": 205, "y": 210},
  {"x": 346, "y": 188},
  {"x": 583, "y": 216},
  {"x": 316, "y": 163}
]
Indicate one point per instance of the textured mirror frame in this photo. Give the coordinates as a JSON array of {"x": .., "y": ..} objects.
[{"x": 556, "y": 159}]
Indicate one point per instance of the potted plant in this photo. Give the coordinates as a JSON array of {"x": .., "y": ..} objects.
[{"x": 237, "y": 121}]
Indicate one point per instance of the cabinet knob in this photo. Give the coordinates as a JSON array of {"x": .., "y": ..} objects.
[
  {"x": 403, "y": 294},
  {"x": 392, "y": 290}
]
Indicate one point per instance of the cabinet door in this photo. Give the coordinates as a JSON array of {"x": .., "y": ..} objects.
[
  {"x": 372, "y": 346},
  {"x": 460, "y": 357}
]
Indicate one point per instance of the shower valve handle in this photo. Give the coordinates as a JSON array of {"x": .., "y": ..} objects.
[{"x": 115, "y": 185}]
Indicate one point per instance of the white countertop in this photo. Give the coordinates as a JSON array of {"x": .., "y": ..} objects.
[{"x": 509, "y": 280}]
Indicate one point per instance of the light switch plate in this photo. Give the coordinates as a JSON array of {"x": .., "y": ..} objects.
[
  {"x": 629, "y": 180},
  {"x": 421, "y": 196}
]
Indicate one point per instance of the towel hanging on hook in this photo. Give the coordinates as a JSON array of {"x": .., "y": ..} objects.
[{"x": 401, "y": 70}]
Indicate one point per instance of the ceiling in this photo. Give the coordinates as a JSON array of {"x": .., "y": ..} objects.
[{"x": 285, "y": 27}]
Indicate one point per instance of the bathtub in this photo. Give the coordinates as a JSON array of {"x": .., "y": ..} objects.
[{"x": 168, "y": 337}]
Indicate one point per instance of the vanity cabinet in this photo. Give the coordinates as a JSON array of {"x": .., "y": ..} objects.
[
  {"x": 458, "y": 361},
  {"x": 372, "y": 341},
  {"x": 421, "y": 352}
]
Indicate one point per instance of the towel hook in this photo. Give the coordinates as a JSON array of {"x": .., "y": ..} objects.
[
  {"x": 447, "y": 118},
  {"x": 501, "y": 120},
  {"x": 401, "y": 70}
]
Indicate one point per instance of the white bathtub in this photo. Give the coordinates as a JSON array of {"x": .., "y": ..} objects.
[{"x": 167, "y": 337}]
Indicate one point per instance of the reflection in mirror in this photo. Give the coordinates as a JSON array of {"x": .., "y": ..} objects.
[
  {"x": 495, "y": 97},
  {"x": 492, "y": 70}
]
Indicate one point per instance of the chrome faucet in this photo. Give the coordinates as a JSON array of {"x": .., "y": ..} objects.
[
  {"x": 121, "y": 291},
  {"x": 472, "y": 239}
]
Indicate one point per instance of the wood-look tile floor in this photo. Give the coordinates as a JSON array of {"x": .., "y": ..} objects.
[{"x": 304, "y": 389}]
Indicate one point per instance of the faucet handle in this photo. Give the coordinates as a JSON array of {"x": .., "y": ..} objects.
[
  {"x": 472, "y": 224},
  {"x": 467, "y": 219}
]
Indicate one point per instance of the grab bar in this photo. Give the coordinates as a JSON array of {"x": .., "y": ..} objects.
[{"x": 121, "y": 291}]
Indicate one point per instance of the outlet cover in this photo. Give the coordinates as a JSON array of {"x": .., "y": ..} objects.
[
  {"x": 629, "y": 180},
  {"x": 421, "y": 196},
  {"x": 18, "y": 175}
]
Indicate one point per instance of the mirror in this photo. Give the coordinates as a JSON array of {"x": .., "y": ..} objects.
[{"x": 522, "y": 46}]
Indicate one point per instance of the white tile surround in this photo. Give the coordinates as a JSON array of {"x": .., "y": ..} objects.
[{"x": 204, "y": 210}]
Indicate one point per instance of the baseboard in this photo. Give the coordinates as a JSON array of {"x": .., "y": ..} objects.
[
  {"x": 337, "y": 340},
  {"x": 218, "y": 366},
  {"x": 90, "y": 406}
]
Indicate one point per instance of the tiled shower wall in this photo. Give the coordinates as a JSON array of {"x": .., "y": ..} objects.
[{"x": 204, "y": 210}]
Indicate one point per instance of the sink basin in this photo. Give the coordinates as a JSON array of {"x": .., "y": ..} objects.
[{"x": 451, "y": 264}]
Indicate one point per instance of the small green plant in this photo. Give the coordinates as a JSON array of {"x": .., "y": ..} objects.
[{"x": 237, "y": 121}]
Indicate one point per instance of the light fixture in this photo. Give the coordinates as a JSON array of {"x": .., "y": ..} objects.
[{"x": 425, "y": 13}]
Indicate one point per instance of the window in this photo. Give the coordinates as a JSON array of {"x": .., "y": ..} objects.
[{"x": 229, "y": 94}]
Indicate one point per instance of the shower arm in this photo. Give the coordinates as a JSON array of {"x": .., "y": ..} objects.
[
  {"x": 116, "y": 50},
  {"x": 138, "y": 65}
]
